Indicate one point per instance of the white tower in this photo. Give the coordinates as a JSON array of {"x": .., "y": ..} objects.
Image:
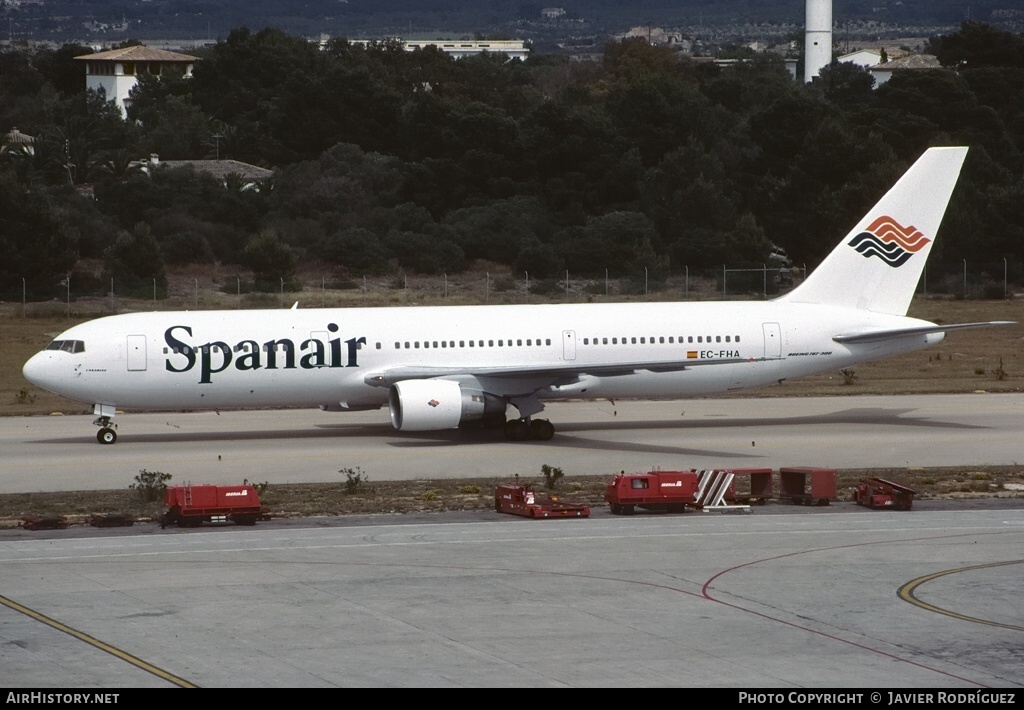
[{"x": 817, "y": 37}]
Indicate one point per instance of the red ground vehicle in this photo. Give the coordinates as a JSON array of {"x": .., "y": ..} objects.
[
  {"x": 523, "y": 500},
  {"x": 750, "y": 485},
  {"x": 807, "y": 485},
  {"x": 880, "y": 493},
  {"x": 669, "y": 491},
  {"x": 189, "y": 506}
]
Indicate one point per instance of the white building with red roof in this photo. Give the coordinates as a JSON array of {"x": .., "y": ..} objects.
[{"x": 117, "y": 71}]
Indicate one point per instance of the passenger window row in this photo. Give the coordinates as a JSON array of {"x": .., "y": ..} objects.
[
  {"x": 662, "y": 339},
  {"x": 502, "y": 343}
]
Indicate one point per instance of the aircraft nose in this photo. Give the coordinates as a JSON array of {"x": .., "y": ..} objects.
[{"x": 38, "y": 370}]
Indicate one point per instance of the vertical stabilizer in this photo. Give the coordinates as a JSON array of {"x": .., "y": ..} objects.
[{"x": 878, "y": 265}]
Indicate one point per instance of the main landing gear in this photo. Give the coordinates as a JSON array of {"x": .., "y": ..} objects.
[{"x": 526, "y": 428}]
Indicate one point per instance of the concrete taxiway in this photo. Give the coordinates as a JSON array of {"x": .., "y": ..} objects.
[
  {"x": 782, "y": 598},
  {"x": 49, "y": 453}
]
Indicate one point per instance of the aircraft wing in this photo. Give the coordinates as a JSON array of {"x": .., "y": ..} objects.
[
  {"x": 871, "y": 336},
  {"x": 388, "y": 377}
]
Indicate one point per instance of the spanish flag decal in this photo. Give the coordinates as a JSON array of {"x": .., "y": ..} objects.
[{"x": 691, "y": 353}]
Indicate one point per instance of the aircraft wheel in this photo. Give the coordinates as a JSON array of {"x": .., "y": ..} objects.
[
  {"x": 517, "y": 430},
  {"x": 106, "y": 435},
  {"x": 542, "y": 429}
]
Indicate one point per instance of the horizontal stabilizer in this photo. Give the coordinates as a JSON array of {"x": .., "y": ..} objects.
[{"x": 872, "y": 336}]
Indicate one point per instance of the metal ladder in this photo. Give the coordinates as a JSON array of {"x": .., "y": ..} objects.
[{"x": 712, "y": 485}]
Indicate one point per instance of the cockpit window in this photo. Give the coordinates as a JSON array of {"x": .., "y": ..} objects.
[{"x": 68, "y": 346}]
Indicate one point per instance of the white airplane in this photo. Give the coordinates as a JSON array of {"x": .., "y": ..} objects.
[{"x": 441, "y": 367}]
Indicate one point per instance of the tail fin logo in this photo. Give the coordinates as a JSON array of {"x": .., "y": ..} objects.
[{"x": 889, "y": 241}]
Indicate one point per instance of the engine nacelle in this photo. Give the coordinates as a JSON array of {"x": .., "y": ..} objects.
[{"x": 429, "y": 405}]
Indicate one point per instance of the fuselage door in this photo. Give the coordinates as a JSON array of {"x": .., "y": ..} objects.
[
  {"x": 568, "y": 344},
  {"x": 772, "y": 340},
  {"x": 136, "y": 353}
]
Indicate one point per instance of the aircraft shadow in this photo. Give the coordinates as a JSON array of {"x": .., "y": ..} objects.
[
  {"x": 874, "y": 415},
  {"x": 570, "y": 435}
]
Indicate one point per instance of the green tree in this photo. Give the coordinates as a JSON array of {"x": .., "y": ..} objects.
[
  {"x": 37, "y": 242},
  {"x": 272, "y": 262},
  {"x": 135, "y": 264},
  {"x": 845, "y": 83},
  {"x": 977, "y": 44},
  {"x": 610, "y": 242}
]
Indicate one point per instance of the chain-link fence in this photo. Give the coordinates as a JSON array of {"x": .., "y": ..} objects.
[{"x": 208, "y": 288}]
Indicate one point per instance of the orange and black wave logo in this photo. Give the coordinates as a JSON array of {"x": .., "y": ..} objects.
[{"x": 889, "y": 241}]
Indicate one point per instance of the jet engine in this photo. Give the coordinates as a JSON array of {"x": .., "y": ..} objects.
[{"x": 429, "y": 405}]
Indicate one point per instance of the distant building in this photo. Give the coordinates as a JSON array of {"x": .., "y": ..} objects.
[
  {"x": 511, "y": 48},
  {"x": 552, "y": 13},
  {"x": 18, "y": 143},
  {"x": 656, "y": 36},
  {"x": 865, "y": 58},
  {"x": 116, "y": 71},
  {"x": 912, "y": 62},
  {"x": 248, "y": 175},
  {"x": 790, "y": 64},
  {"x": 868, "y": 58}
]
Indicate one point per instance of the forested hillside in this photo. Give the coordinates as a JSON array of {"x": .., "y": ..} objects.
[{"x": 387, "y": 160}]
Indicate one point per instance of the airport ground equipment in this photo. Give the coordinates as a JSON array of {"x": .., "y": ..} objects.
[
  {"x": 713, "y": 487},
  {"x": 44, "y": 522},
  {"x": 516, "y": 499},
  {"x": 880, "y": 493},
  {"x": 807, "y": 485},
  {"x": 191, "y": 505},
  {"x": 111, "y": 520},
  {"x": 751, "y": 485},
  {"x": 668, "y": 491}
]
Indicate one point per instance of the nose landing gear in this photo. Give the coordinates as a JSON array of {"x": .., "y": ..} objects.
[{"x": 108, "y": 431}]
